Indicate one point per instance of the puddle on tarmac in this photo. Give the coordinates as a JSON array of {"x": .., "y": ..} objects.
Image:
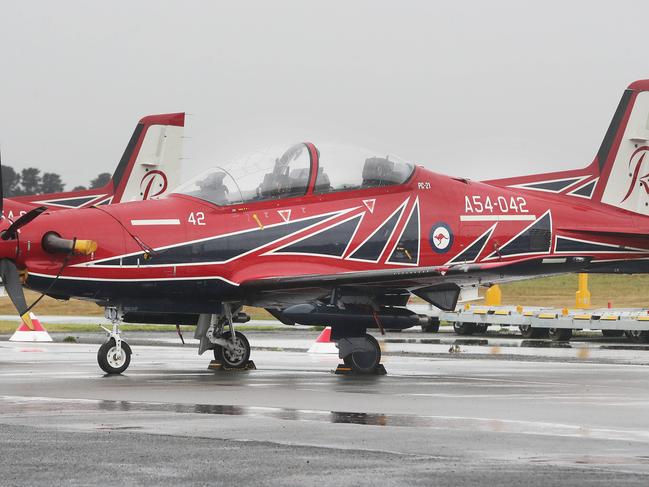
[
  {"x": 54, "y": 406},
  {"x": 593, "y": 460},
  {"x": 509, "y": 343}
]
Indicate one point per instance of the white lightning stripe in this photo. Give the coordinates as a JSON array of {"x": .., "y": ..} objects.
[
  {"x": 496, "y": 218},
  {"x": 496, "y": 255},
  {"x": 162, "y": 221},
  {"x": 399, "y": 210},
  {"x": 149, "y": 279},
  {"x": 98, "y": 263},
  {"x": 531, "y": 184},
  {"x": 61, "y": 201},
  {"x": 396, "y": 242},
  {"x": 613, "y": 248}
]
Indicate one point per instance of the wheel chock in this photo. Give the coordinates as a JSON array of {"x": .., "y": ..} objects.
[
  {"x": 380, "y": 370},
  {"x": 216, "y": 365},
  {"x": 342, "y": 369}
]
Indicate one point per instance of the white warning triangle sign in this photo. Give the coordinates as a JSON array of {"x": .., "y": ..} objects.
[
  {"x": 285, "y": 214},
  {"x": 369, "y": 204}
]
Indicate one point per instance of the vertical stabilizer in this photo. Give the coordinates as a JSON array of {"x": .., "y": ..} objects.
[
  {"x": 150, "y": 165},
  {"x": 619, "y": 175},
  {"x": 625, "y": 173}
]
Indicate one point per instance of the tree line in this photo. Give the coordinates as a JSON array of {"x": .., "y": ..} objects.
[{"x": 31, "y": 181}]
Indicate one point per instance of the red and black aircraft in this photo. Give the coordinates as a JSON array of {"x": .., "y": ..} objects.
[{"x": 335, "y": 236}]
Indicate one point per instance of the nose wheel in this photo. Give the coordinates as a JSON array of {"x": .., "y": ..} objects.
[
  {"x": 114, "y": 360},
  {"x": 114, "y": 356}
]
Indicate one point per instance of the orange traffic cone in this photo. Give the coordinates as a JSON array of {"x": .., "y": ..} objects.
[
  {"x": 323, "y": 343},
  {"x": 35, "y": 334}
]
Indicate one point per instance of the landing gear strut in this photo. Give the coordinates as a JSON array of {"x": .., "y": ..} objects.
[
  {"x": 114, "y": 356},
  {"x": 361, "y": 354},
  {"x": 231, "y": 348}
]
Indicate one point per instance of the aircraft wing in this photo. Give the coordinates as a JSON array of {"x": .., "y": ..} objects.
[{"x": 304, "y": 287}]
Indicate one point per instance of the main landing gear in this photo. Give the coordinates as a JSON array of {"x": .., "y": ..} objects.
[
  {"x": 114, "y": 356},
  {"x": 360, "y": 354},
  {"x": 231, "y": 348}
]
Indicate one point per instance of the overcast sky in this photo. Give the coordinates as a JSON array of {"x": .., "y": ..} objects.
[{"x": 478, "y": 89}]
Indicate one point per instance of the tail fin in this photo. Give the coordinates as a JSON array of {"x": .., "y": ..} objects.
[
  {"x": 149, "y": 168},
  {"x": 619, "y": 175},
  {"x": 624, "y": 167},
  {"x": 150, "y": 165}
]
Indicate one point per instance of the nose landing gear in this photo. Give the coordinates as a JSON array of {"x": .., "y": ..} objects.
[{"x": 114, "y": 356}]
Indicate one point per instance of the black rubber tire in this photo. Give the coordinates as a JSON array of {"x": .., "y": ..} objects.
[
  {"x": 227, "y": 358},
  {"x": 464, "y": 329},
  {"x": 480, "y": 328},
  {"x": 613, "y": 333},
  {"x": 528, "y": 332},
  {"x": 365, "y": 362},
  {"x": 638, "y": 336},
  {"x": 560, "y": 334},
  {"x": 432, "y": 326},
  {"x": 108, "y": 365}
]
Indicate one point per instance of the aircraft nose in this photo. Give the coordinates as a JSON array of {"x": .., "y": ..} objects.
[
  {"x": 80, "y": 232},
  {"x": 8, "y": 248}
]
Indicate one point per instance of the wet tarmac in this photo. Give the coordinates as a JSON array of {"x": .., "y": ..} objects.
[{"x": 473, "y": 416}]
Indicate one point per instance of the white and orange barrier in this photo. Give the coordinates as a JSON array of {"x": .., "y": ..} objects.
[
  {"x": 323, "y": 343},
  {"x": 35, "y": 334}
]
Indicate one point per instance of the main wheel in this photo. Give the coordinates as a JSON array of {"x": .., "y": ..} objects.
[
  {"x": 432, "y": 326},
  {"x": 612, "y": 333},
  {"x": 237, "y": 357},
  {"x": 638, "y": 336},
  {"x": 111, "y": 360},
  {"x": 528, "y": 332},
  {"x": 560, "y": 334},
  {"x": 481, "y": 327},
  {"x": 366, "y": 361},
  {"x": 464, "y": 328}
]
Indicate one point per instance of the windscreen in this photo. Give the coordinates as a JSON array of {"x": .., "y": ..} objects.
[
  {"x": 344, "y": 168},
  {"x": 257, "y": 177}
]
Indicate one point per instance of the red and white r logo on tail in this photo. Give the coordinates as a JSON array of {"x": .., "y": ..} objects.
[
  {"x": 153, "y": 184},
  {"x": 639, "y": 176}
]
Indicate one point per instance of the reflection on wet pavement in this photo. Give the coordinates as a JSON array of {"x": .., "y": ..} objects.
[{"x": 40, "y": 405}]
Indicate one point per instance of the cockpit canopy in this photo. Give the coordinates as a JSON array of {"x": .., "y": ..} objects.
[{"x": 301, "y": 169}]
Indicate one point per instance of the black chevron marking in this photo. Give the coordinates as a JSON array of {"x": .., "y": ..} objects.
[
  {"x": 586, "y": 190},
  {"x": 330, "y": 242},
  {"x": 471, "y": 253},
  {"x": 554, "y": 186},
  {"x": 407, "y": 249},
  {"x": 219, "y": 248},
  {"x": 71, "y": 202},
  {"x": 572, "y": 246},
  {"x": 372, "y": 249},
  {"x": 534, "y": 239}
]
